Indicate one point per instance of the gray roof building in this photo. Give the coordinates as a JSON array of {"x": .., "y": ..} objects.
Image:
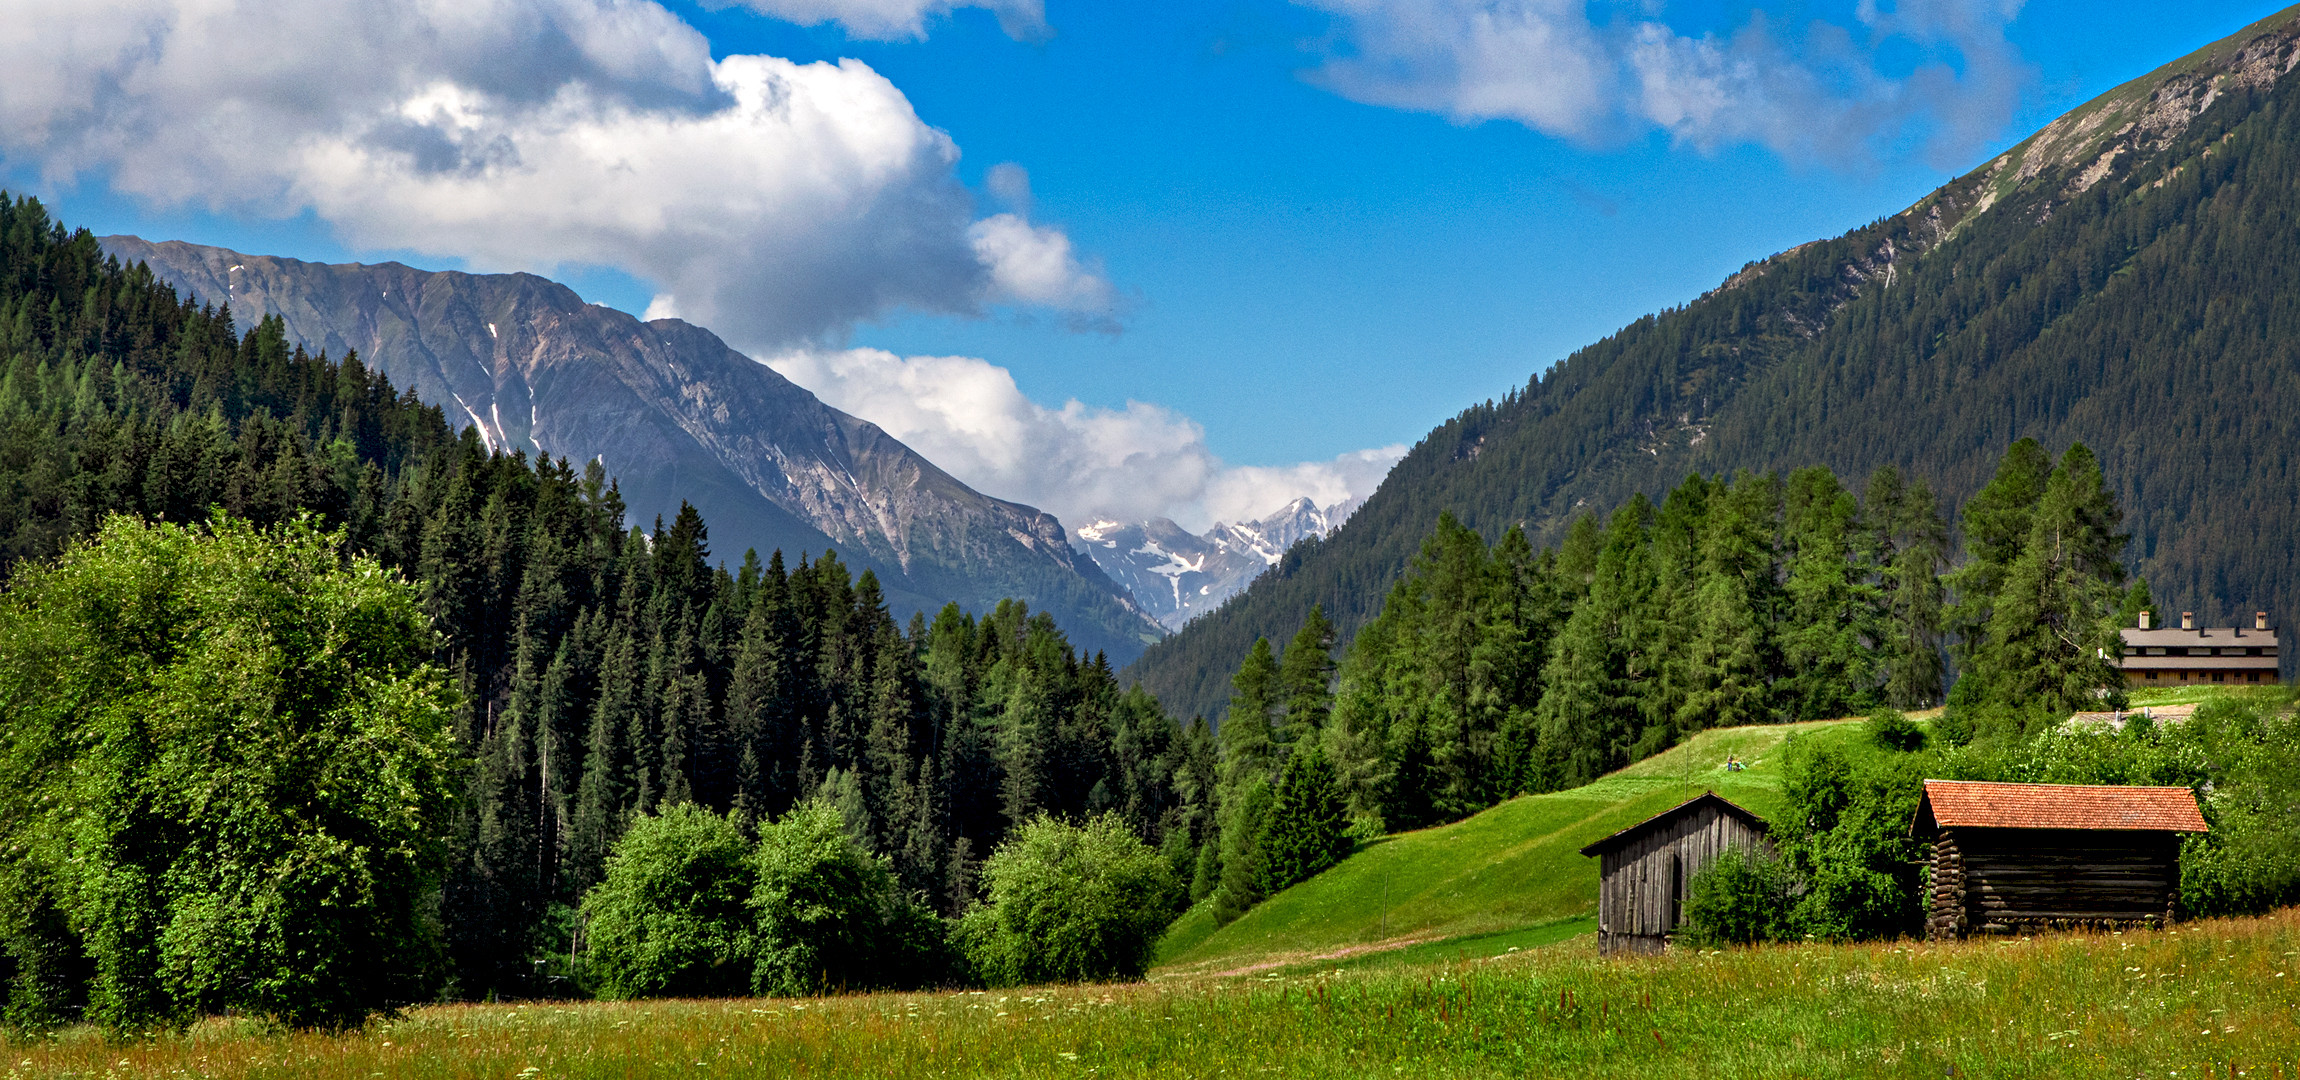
[{"x": 2192, "y": 654}]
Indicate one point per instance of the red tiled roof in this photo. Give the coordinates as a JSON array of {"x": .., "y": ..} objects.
[{"x": 1974, "y": 804}]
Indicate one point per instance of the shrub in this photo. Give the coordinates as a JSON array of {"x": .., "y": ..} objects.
[
  {"x": 1892, "y": 730},
  {"x": 821, "y": 904},
  {"x": 1740, "y": 898},
  {"x": 1070, "y": 903},
  {"x": 669, "y": 918},
  {"x": 223, "y": 779},
  {"x": 2250, "y": 862}
]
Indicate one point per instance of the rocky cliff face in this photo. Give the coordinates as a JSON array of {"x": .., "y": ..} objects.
[
  {"x": 1176, "y": 575},
  {"x": 674, "y": 413}
]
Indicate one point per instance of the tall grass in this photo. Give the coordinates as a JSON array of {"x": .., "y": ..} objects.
[{"x": 2206, "y": 999}]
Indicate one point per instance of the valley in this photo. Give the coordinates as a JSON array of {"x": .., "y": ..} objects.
[{"x": 1871, "y": 665}]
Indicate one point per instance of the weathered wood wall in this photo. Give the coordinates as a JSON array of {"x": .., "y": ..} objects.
[
  {"x": 2011, "y": 881},
  {"x": 1641, "y": 884}
]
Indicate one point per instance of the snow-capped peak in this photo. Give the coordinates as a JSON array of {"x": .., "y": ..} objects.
[{"x": 1176, "y": 574}]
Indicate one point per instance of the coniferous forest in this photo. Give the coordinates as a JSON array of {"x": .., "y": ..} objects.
[
  {"x": 2147, "y": 312},
  {"x": 1495, "y": 670},
  {"x": 627, "y": 716},
  {"x": 598, "y": 674}
]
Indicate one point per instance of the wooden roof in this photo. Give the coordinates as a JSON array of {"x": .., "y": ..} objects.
[
  {"x": 1970, "y": 804},
  {"x": 1681, "y": 809}
]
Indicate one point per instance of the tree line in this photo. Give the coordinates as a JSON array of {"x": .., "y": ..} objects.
[
  {"x": 2148, "y": 315},
  {"x": 597, "y": 673},
  {"x": 1497, "y": 670}
]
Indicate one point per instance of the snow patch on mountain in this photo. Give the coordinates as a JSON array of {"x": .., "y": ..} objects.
[{"x": 1175, "y": 575}]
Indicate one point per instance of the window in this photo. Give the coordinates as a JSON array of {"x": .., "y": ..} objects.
[
  {"x": 2219, "y": 676},
  {"x": 2157, "y": 651},
  {"x": 2151, "y": 676}
]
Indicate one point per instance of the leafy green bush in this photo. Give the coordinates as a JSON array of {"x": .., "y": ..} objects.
[
  {"x": 670, "y": 917},
  {"x": 1845, "y": 843},
  {"x": 1893, "y": 730},
  {"x": 2250, "y": 862},
  {"x": 223, "y": 779},
  {"x": 821, "y": 904},
  {"x": 1070, "y": 903},
  {"x": 1740, "y": 898}
]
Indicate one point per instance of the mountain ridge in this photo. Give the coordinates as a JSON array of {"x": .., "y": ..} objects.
[
  {"x": 675, "y": 414},
  {"x": 1177, "y": 575},
  {"x": 2083, "y": 285}
]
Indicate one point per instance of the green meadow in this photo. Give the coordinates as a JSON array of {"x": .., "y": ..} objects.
[
  {"x": 2208, "y": 999},
  {"x": 1517, "y": 867}
]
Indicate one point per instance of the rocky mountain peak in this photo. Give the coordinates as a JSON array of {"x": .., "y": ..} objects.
[
  {"x": 675, "y": 415},
  {"x": 1176, "y": 575}
]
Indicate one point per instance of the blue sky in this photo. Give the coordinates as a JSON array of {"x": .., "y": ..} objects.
[{"x": 1272, "y": 253}]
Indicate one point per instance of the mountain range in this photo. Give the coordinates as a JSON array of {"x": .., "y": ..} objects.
[
  {"x": 2128, "y": 277},
  {"x": 1177, "y": 575},
  {"x": 674, "y": 414}
]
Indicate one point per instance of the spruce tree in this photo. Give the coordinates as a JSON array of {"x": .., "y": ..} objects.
[
  {"x": 1249, "y": 751},
  {"x": 1910, "y": 650},
  {"x": 1306, "y": 677},
  {"x": 1308, "y": 827},
  {"x": 1734, "y": 654},
  {"x": 1245, "y": 819},
  {"x": 1831, "y": 616},
  {"x": 2053, "y": 624},
  {"x": 1996, "y": 524}
]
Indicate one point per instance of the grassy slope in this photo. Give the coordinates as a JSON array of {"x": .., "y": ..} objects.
[
  {"x": 1513, "y": 867},
  {"x": 2208, "y": 999}
]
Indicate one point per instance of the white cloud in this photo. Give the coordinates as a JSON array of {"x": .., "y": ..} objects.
[
  {"x": 771, "y": 200},
  {"x": 1077, "y": 462},
  {"x": 894, "y": 20},
  {"x": 1814, "y": 95},
  {"x": 1034, "y": 264}
]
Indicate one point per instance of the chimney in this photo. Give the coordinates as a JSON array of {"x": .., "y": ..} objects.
[
  {"x": 2144, "y": 618},
  {"x": 2260, "y": 620},
  {"x": 2188, "y": 620}
]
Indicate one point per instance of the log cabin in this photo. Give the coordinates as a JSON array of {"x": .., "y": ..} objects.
[
  {"x": 1642, "y": 870},
  {"x": 2017, "y": 858}
]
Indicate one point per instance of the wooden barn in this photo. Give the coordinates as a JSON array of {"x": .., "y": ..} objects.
[
  {"x": 1642, "y": 870},
  {"x": 2014, "y": 858}
]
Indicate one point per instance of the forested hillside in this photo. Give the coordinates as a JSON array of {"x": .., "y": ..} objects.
[
  {"x": 2128, "y": 278},
  {"x": 601, "y": 674},
  {"x": 678, "y": 417}
]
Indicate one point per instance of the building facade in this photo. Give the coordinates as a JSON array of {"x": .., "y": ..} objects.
[
  {"x": 1642, "y": 870},
  {"x": 2018, "y": 858},
  {"x": 2191, "y": 655}
]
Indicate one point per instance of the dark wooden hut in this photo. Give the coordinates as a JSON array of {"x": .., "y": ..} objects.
[
  {"x": 2014, "y": 858},
  {"x": 1642, "y": 870}
]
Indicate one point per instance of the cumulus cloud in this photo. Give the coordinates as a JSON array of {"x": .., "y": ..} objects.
[
  {"x": 1813, "y": 94},
  {"x": 896, "y": 20},
  {"x": 775, "y": 201},
  {"x": 1077, "y": 462}
]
